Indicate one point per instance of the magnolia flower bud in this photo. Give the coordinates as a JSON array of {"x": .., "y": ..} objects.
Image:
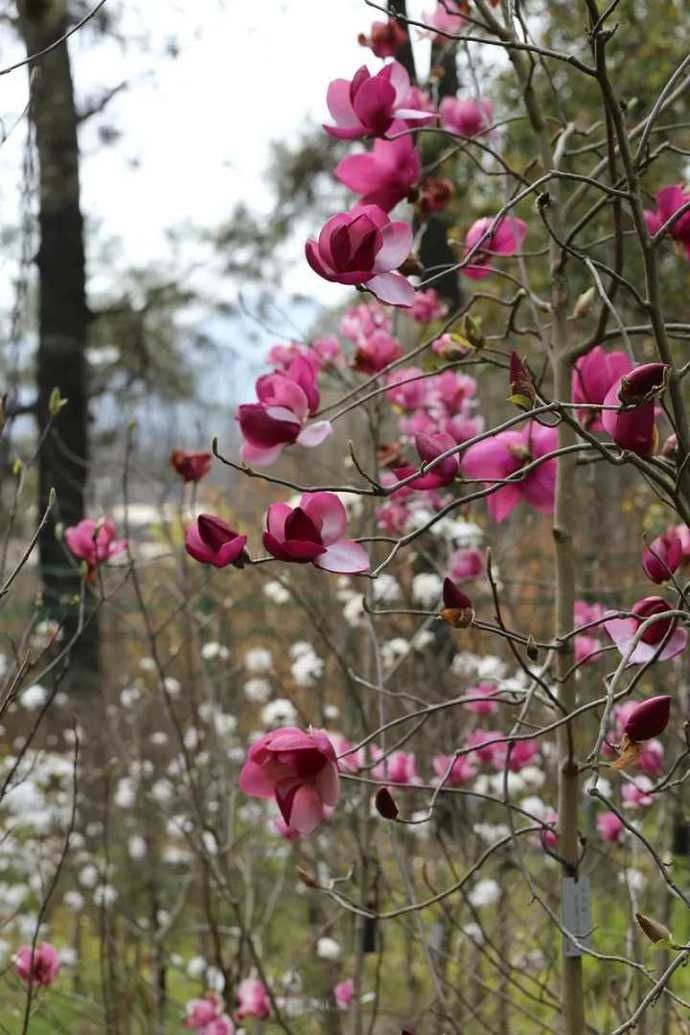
[
  {"x": 385, "y": 804},
  {"x": 655, "y": 931},
  {"x": 522, "y": 390},
  {"x": 648, "y": 719},
  {"x": 583, "y": 305},
  {"x": 662, "y": 557},
  {"x": 643, "y": 383},
  {"x": 458, "y": 610}
]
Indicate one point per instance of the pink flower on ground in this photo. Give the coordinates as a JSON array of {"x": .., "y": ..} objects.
[
  {"x": 383, "y": 176},
  {"x": 191, "y": 467},
  {"x": 462, "y": 770},
  {"x": 467, "y": 118},
  {"x": 485, "y": 706},
  {"x": 467, "y": 564},
  {"x": 427, "y": 306},
  {"x": 503, "y": 455},
  {"x": 39, "y": 967},
  {"x": 610, "y": 827},
  {"x": 368, "y": 105},
  {"x": 375, "y": 352},
  {"x": 385, "y": 38},
  {"x": 668, "y": 201},
  {"x": 344, "y": 993},
  {"x": 662, "y": 557},
  {"x": 632, "y": 429},
  {"x": 623, "y": 630},
  {"x": 279, "y": 418},
  {"x": 429, "y": 448},
  {"x": 298, "y": 770},
  {"x": 364, "y": 247},
  {"x": 94, "y": 542},
  {"x": 593, "y": 376},
  {"x": 506, "y": 238},
  {"x": 446, "y": 19},
  {"x": 210, "y": 540},
  {"x": 253, "y": 1000},
  {"x": 636, "y": 795},
  {"x": 314, "y": 532}
]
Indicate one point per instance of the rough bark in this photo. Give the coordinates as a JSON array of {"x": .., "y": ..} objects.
[{"x": 62, "y": 318}]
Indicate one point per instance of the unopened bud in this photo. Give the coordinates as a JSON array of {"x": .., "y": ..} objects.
[
  {"x": 385, "y": 804},
  {"x": 643, "y": 383},
  {"x": 532, "y": 649},
  {"x": 654, "y": 929},
  {"x": 583, "y": 305},
  {"x": 457, "y": 610}
]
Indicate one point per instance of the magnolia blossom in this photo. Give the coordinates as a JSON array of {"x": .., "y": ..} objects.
[
  {"x": 485, "y": 705},
  {"x": 668, "y": 201},
  {"x": 344, "y": 993},
  {"x": 398, "y": 767},
  {"x": 191, "y": 467},
  {"x": 201, "y": 1015},
  {"x": 37, "y": 966},
  {"x": 253, "y": 1000},
  {"x": 454, "y": 771},
  {"x": 467, "y": 118},
  {"x": 503, "y": 455},
  {"x": 364, "y": 247},
  {"x": 662, "y": 557},
  {"x": 375, "y": 352},
  {"x": 636, "y": 795},
  {"x": 446, "y": 19},
  {"x": 298, "y": 770},
  {"x": 360, "y": 321},
  {"x": 383, "y": 176},
  {"x": 94, "y": 541},
  {"x": 385, "y": 38},
  {"x": 211, "y": 540},
  {"x": 314, "y": 532},
  {"x": 632, "y": 429},
  {"x": 427, "y": 306},
  {"x": 429, "y": 448},
  {"x": 593, "y": 376},
  {"x": 610, "y": 827},
  {"x": 467, "y": 564},
  {"x": 504, "y": 237},
  {"x": 279, "y": 418},
  {"x": 368, "y": 105},
  {"x": 649, "y": 647}
]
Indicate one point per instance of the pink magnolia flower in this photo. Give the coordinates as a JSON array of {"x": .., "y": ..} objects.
[
  {"x": 662, "y": 557},
  {"x": 450, "y": 347},
  {"x": 279, "y": 418},
  {"x": 506, "y": 238},
  {"x": 191, "y": 467},
  {"x": 683, "y": 533},
  {"x": 623, "y": 630},
  {"x": 453, "y": 391},
  {"x": 549, "y": 835},
  {"x": 485, "y": 706},
  {"x": 351, "y": 762},
  {"x": 463, "y": 769},
  {"x": 94, "y": 542},
  {"x": 467, "y": 118},
  {"x": 632, "y": 429},
  {"x": 210, "y": 540},
  {"x": 610, "y": 827},
  {"x": 427, "y": 306},
  {"x": 344, "y": 993},
  {"x": 505, "y": 454},
  {"x": 364, "y": 247},
  {"x": 398, "y": 767},
  {"x": 375, "y": 352},
  {"x": 285, "y": 831},
  {"x": 221, "y": 1025},
  {"x": 368, "y": 105},
  {"x": 668, "y": 201},
  {"x": 466, "y": 564},
  {"x": 429, "y": 448},
  {"x": 487, "y": 752},
  {"x": 523, "y": 753},
  {"x": 327, "y": 350},
  {"x": 647, "y": 719},
  {"x": 385, "y": 38},
  {"x": 406, "y": 393},
  {"x": 360, "y": 321},
  {"x": 253, "y": 1000},
  {"x": 314, "y": 532},
  {"x": 462, "y": 428},
  {"x": 585, "y": 612},
  {"x": 586, "y": 648},
  {"x": 446, "y": 19},
  {"x": 593, "y": 376},
  {"x": 636, "y": 795},
  {"x": 201, "y": 1012},
  {"x": 298, "y": 770},
  {"x": 39, "y": 966},
  {"x": 383, "y": 176},
  {"x": 651, "y": 758}
]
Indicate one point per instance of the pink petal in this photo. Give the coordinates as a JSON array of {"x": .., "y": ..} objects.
[
  {"x": 328, "y": 514},
  {"x": 255, "y": 781},
  {"x": 397, "y": 241},
  {"x": 307, "y": 810},
  {"x": 314, "y": 434},
  {"x": 503, "y": 501},
  {"x": 358, "y": 172},
  {"x": 276, "y": 516},
  {"x": 340, "y": 105},
  {"x": 328, "y": 784},
  {"x": 314, "y": 259},
  {"x": 261, "y": 456},
  {"x": 392, "y": 288},
  {"x": 492, "y": 457},
  {"x": 344, "y": 557},
  {"x": 399, "y": 79}
]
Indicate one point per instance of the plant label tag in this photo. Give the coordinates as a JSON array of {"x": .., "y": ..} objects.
[{"x": 576, "y": 913}]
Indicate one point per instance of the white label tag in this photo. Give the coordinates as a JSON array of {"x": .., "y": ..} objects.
[{"x": 576, "y": 913}]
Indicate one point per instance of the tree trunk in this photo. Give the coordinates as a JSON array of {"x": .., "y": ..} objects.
[{"x": 63, "y": 319}]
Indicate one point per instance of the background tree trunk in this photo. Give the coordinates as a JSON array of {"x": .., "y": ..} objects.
[{"x": 63, "y": 318}]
